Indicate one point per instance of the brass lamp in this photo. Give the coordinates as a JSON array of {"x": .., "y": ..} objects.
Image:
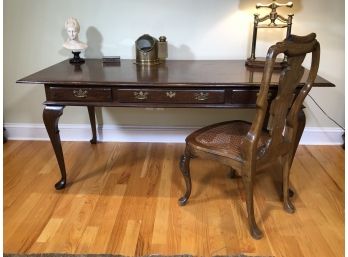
[{"x": 273, "y": 16}]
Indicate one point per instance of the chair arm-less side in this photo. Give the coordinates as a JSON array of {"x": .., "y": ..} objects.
[{"x": 247, "y": 147}]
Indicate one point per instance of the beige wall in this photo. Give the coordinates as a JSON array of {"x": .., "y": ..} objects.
[{"x": 195, "y": 29}]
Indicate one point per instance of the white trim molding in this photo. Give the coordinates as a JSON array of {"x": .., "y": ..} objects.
[{"x": 114, "y": 133}]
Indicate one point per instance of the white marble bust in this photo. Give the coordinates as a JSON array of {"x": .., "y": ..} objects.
[{"x": 72, "y": 27}]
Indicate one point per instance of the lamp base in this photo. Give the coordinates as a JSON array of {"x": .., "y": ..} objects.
[
  {"x": 77, "y": 58},
  {"x": 260, "y": 63}
]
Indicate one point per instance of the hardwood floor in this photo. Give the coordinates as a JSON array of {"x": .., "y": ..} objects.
[{"x": 122, "y": 198}]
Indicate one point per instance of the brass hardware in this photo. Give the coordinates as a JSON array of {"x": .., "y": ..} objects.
[
  {"x": 150, "y": 51},
  {"x": 171, "y": 94},
  {"x": 201, "y": 96},
  {"x": 80, "y": 93},
  {"x": 141, "y": 95},
  {"x": 162, "y": 48},
  {"x": 273, "y": 16}
]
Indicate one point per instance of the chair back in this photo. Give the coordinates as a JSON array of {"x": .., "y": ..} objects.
[{"x": 285, "y": 107}]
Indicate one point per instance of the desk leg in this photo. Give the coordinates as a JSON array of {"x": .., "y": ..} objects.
[
  {"x": 51, "y": 116},
  {"x": 91, "y": 113}
]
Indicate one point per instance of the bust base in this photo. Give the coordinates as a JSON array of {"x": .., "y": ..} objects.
[{"x": 77, "y": 58}]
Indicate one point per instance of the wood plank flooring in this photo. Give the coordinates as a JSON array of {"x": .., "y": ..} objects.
[{"x": 122, "y": 199}]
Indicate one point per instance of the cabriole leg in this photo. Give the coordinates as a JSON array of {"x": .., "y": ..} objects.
[
  {"x": 51, "y": 116},
  {"x": 185, "y": 170},
  {"x": 288, "y": 206},
  {"x": 249, "y": 187}
]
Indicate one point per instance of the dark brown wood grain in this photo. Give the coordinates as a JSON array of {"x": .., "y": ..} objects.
[{"x": 178, "y": 73}]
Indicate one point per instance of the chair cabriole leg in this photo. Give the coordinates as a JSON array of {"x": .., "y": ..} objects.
[
  {"x": 287, "y": 204},
  {"x": 185, "y": 170},
  {"x": 254, "y": 230}
]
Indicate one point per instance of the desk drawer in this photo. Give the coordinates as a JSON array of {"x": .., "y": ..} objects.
[
  {"x": 80, "y": 94},
  {"x": 240, "y": 96},
  {"x": 188, "y": 96}
]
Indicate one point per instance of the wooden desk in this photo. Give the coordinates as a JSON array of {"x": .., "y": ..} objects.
[{"x": 201, "y": 84}]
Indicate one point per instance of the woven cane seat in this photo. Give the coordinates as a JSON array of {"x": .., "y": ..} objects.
[{"x": 224, "y": 138}]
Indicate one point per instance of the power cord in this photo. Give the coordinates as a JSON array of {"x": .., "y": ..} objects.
[
  {"x": 343, "y": 135},
  {"x": 326, "y": 113}
]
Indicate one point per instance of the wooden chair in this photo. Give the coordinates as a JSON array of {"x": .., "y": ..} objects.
[{"x": 245, "y": 146}]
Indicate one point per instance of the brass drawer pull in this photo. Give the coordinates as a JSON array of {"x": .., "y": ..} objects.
[
  {"x": 171, "y": 94},
  {"x": 140, "y": 95},
  {"x": 201, "y": 96},
  {"x": 80, "y": 93}
]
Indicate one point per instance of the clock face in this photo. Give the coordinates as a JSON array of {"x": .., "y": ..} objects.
[{"x": 145, "y": 43}]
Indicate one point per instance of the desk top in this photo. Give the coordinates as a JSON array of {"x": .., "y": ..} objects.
[{"x": 171, "y": 72}]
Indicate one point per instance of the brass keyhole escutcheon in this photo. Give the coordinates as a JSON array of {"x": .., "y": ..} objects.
[
  {"x": 171, "y": 94},
  {"x": 80, "y": 93},
  {"x": 201, "y": 96},
  {"x": 141, "y": 95}
]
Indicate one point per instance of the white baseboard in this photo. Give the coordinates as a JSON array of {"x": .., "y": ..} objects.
[
  {"x": 322, "y": 136},
  {"x": 113, "y": 133}
]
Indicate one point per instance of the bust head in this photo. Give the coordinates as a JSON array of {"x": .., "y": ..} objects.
[{"x": 72, "y": 27}]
